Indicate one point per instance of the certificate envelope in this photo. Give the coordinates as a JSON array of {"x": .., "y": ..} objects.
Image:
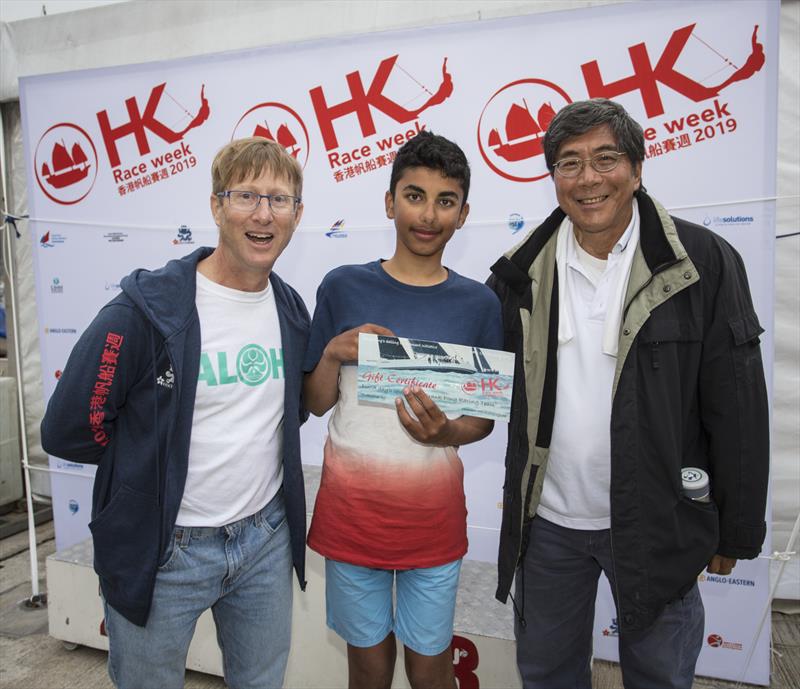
[{"x": 461, "y": 380}]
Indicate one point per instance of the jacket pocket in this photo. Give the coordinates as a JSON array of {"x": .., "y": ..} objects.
[
  {"x": 746, "y": 351},
  {"x": 126, "y": 538},
  {"x": 662, "y": 340}
]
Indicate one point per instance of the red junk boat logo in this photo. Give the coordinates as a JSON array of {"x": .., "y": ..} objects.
[
  {"x": 512, "y": 126},
  {"x": 65, "y": 163},
  {"x": 278, "y": 123}
]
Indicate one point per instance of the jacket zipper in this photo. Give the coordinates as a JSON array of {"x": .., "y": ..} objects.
[{"x": 658, "y": 269}]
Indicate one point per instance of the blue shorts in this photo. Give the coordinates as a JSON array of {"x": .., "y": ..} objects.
[{"x": 359, "y": 605}]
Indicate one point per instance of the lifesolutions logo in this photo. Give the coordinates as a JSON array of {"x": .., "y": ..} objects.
[{"x": 728, "y": 220}]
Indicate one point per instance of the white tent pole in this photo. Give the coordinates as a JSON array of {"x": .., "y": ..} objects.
[
  {"x": 8, "y": 263},
  {"x": 783, "y": 557}
]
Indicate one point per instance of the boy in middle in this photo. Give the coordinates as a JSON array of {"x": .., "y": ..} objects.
[{"x": 391, "y": 505}]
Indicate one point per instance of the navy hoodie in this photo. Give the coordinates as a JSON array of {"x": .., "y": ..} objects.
[{"x": 125, "y": 402}]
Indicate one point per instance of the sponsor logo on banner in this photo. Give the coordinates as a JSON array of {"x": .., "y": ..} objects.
[
  {"x": 612, "y": 629},
  {"x": 115, "y": 237},
  {"x": 59, "y": 331},
  {"x": 376, "y": 148},
  {"x": 161, "y": 151},
  {"x": 65, "y": 163},
  {"x": 50, "y": 239},
  {"x": 57, "y": 373},
  {"x": 56, "y": 287},
  {"x": 512, "y": 126},
  {"x": 64, "y": 464},
  {"x": 727, "y": 580},
  {"x": 716, "y": 641},
  {"x": 337, "y": 230},
  {"x": 728, "y": 220},
  {"x": 112, "y": 287},
  {"x": 279, "y": 123},
  {"x": 184, "y": 235},
  {"x": 515, "y": 222},
  {"x": 74, "y": 506}
]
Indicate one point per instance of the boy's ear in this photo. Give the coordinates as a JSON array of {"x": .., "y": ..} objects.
[
  {"x": 462, "y": 216},
  {"x": 389, "y": 202}
]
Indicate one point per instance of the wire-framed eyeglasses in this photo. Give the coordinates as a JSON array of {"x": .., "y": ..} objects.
[
  {"x": 247, "y": 201},
  {"x": 604, "y": 161}
]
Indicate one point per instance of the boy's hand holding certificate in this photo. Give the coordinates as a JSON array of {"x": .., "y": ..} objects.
[{"x": 461, "y": 380}]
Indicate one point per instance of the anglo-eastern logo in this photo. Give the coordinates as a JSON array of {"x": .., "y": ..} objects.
[
  {"x": 512, "y": 126},
  {"x": 56, "y": 287},
  {"x": 276, "y": 122},
  {"x": 252, "y": 364},
  {"x": 337, "y": 230},
  {"x": 65, "y": 163}
]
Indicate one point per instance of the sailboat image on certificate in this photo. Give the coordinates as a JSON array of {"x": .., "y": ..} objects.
[
  {"x": 426, "y": 355},
  {"x": 460, "y": 379}
]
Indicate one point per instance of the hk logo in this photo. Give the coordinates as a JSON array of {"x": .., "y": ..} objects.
[
  {"x": 512, "y": 126},
  {"x": 65, "y": 164},
  {"x": 279, "y": 123},
  {"x": 646, "y": 78},
  {"x": 73, "y": 506},
  {"x": 363, "y": 100},
  {"x": 139, "y": 123}
]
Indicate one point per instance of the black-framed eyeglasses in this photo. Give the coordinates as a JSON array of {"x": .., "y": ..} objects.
[
  {"x": 247, "y": 201},
  {"x": 605, "y": 161}
]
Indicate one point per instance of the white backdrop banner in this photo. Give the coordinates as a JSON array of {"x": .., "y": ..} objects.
[{"x": 119, "y": 159}]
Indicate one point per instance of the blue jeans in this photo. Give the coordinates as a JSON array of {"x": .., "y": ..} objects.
[
  {"x": 243, "y": 572},
  {"x": 554, "y": 650}
]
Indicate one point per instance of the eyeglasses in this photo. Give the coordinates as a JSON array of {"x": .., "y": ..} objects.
[
  {"x": 247, "y": 201},
  {"x": 600, "y": 162}
]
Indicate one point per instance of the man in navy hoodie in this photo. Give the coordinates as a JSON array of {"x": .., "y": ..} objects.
[{"x": 185, "y": 391}]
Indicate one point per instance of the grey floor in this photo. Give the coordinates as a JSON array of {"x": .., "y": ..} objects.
[{"x": 30, "y": 659}]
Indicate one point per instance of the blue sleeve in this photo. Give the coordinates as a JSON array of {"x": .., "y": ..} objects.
[
  {"x": 322, "y": 328},
  {"x": 105, "y": 363}
]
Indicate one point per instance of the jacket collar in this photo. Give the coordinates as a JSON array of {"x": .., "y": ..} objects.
[{"x": 658, "y": 241}]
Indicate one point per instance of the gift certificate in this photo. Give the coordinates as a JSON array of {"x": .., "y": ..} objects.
[{"x": 461, "y": 380}]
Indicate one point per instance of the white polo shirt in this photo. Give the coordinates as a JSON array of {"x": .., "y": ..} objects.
[{"x": 576, "y": 486}]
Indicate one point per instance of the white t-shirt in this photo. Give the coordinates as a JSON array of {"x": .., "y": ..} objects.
[{"x": 235, "y": 455}]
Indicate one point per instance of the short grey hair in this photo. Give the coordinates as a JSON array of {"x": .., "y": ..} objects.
[{"x": 579, "y": 117}]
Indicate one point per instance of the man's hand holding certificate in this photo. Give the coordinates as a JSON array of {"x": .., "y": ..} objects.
[{"x": 461, "y": 380}]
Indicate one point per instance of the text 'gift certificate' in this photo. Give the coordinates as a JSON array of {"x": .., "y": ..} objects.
[{"x": 470, "y": 381}]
